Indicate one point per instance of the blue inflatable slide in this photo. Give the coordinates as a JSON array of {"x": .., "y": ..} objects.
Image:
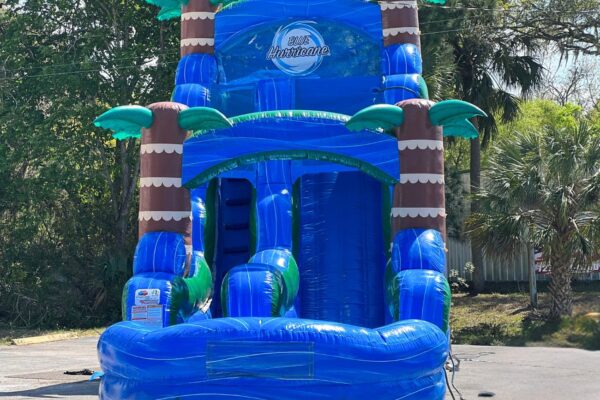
[{"x": 292, "y": 212}]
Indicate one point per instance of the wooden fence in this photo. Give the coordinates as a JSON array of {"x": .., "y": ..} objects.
[{"x": 513, "y": 269}]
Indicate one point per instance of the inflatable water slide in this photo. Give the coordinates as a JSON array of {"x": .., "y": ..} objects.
[{"x": 292, "y": 212}]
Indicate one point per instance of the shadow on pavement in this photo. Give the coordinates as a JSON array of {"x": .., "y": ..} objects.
[{"x": 60, "y": 390}]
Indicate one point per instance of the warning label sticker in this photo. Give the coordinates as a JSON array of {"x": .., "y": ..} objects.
[
  {"x": 147, "y": 296},
  {"x": 148, "y": 315}
]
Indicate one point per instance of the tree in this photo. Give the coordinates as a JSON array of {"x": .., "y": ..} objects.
[
  {"x": 67, "y": 199},
  {"x": 542, "y": 190},
  {"x": 489, "y": 63},
  {"x": 570, "y": 25},
  {"x": 496, "y": 47},
  {"x": 539, "y": 114},
  {"x": 579, "y": 85}
]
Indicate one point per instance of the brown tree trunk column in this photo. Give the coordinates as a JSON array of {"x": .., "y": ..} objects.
[
  {"x": 197, "y": 28},
  {"x": 197, "y": 37},
  {"x": 164, "y": 203},
  {"x": 400, "y": 22},
  {"x": 419, "y": 200}
]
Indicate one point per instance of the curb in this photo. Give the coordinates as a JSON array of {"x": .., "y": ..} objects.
[{"x": 54, "y": 337}]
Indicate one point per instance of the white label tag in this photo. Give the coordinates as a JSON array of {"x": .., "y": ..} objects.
[
  {"x": 151, "y": 315},
  {"x": 139, "y": 313},
  {"x": 147, "y": 296}
]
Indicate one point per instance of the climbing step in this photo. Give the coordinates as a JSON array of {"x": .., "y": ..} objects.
[
  {"x": 237, "y": 227},
  {"x": 236, "y": 250},
  {"x": 233, "y": 231},
  {"x": 240, "y": 202}
]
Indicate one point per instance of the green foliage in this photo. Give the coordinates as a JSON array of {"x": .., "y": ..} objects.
[
  {"x": 594, "y": 117},
  {"x": 542, "y": 190},
  {"x": 500, "y": 319},
  {"x": 537, "y": 115},
  {"x": 68, "y": 193},
  {"x": 490, "y": 61}
]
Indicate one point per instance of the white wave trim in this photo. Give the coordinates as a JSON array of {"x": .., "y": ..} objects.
[
  {"x": 422, "y": 178},
  {"x": 420, "y": 144},
  {"x": 197, "y": 42},
  {"x": 396, "y": 31},
  {"x": 163, "y": 215},
  {"x": 388, "y": 5},
  {"x": 194, "y": 15},
  {"x": 398, "y": 212},
  {"x": 160, "y": 182},
  {"x": 168, "y": 148}
]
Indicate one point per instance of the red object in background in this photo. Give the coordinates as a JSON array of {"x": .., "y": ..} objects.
[{"x": 542, "y": 268}]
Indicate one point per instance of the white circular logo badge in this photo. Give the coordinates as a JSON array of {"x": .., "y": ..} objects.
[{"x": 298, "y": 49}]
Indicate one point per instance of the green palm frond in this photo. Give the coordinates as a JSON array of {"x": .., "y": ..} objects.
[
  {"x": 463, "y": 129},
  {"x": 166, "y": 13},
  {"x": 203, "y": 118},
  {"x": 379, "y": 116},
  {"x": 169, "y": 9},
  {"x": 451, "y": 111},
  {"x": 126, "y": 121}
]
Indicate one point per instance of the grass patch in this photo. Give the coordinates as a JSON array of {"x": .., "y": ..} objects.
[
  {"x": 7, "y": 333},
  {"x": 505, "y": 320}
]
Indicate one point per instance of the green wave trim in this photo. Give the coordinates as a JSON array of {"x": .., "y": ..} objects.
[
  {"x": 191, "y": 295},
  {"x": 392, "y": 291},
  {"x": 423, "y": 89},
  {"x": 288, "y": 114},
  {"x": 253, "y": 158},
  {"x": 210, "y": 223},
  {"x": 200, "y": 286},
  {"x": 447, "y": 304},
  {"x": 291, "y": 279},
  {"x": 124, "y": 296}
]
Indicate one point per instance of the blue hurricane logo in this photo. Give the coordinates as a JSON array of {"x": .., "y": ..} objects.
[{"x": 298, "y": 49}]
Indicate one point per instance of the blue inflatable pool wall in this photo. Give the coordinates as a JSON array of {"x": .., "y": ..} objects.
[{"x": 292, "y": 215}]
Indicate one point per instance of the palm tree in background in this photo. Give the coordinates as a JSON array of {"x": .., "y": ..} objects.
[
  {"x": 492, "y": 66},
  {"x": 542, "y": 190}
]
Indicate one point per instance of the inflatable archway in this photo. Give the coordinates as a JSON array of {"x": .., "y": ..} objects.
[{"x": 299, "y": 143}]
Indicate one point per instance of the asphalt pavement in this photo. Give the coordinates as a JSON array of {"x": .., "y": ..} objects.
[{"x": 506, "y": 373}]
